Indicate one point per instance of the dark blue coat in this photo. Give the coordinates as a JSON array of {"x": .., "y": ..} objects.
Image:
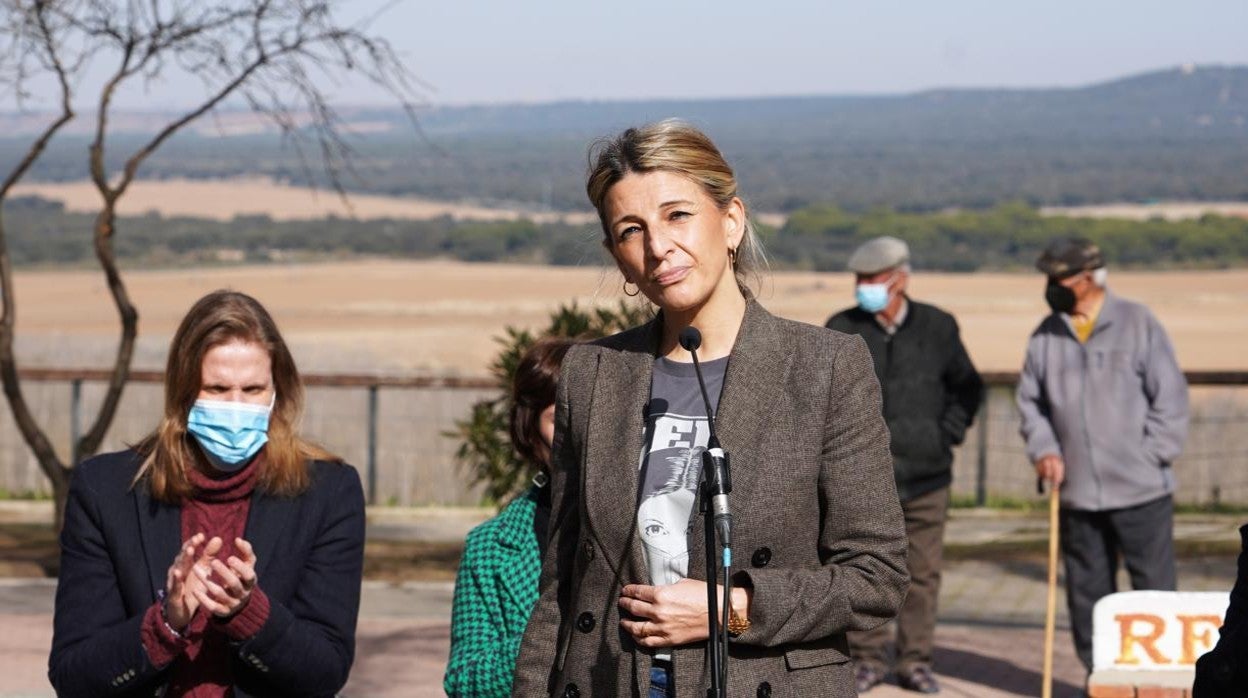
[
  {"x": 931, "y": 391},
  {"x": 116, "y": 549}
]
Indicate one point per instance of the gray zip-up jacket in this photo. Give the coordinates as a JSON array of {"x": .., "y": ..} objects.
[{"x": 1114, "y": 408}]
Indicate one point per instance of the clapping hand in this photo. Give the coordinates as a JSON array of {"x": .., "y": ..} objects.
[
  {"x": 226, "y": 586},
  {"x": 182, "y": 583}
]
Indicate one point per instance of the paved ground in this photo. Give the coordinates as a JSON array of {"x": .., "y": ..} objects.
[{"x": 990, "y": 638}]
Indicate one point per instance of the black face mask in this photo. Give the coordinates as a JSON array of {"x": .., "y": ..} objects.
[{"x": 1059, "y": 298}]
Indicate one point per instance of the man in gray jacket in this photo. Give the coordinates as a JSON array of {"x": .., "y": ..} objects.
[{"x": 1104, "y": 414}]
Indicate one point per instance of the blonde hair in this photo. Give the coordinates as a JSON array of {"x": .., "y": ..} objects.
[
  {"x": 218, "y": 318},
  {"x": 672, "y": 146}
]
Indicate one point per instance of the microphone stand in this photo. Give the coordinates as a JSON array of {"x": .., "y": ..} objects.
[
  {"x": 716, "y": 689},
  {"x": 714, "y": 488},
  {"x": 717, "y": 629}
]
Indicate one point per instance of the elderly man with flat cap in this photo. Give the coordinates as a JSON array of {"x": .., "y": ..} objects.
[
  {"x": 1104, "y": 414},
  {"x": 931, "y": 392}
]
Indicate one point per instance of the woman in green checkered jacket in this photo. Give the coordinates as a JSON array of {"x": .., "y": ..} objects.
[{"x": 497, "y": 582}]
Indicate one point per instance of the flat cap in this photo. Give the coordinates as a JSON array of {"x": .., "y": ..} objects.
[
  {"x": 878, "y": 254},
  {"x": 1067, "y": 256}
]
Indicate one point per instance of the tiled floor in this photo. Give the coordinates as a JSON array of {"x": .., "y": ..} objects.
[{"x": 989, "y": 641}]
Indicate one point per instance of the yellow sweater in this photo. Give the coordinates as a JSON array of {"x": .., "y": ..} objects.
[{"x": 1083, "y": 324}]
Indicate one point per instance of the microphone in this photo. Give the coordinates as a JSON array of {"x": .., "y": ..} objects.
[{"x": 714, "y": 460}]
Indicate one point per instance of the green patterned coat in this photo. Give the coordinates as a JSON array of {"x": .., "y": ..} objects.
[{"x": 495, "y": 590}]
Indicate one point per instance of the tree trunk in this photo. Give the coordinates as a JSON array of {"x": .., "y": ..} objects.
[
  {"x": 103, "y": 233},
  {"x": 34, "y": 436}
]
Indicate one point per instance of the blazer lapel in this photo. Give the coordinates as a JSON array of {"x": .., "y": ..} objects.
[
  {"x": 753, "y": 385},
  {"x": 755, "y": 378},
  {"x": 160, "y": 529},
  {"x": 613, "y": 452}
]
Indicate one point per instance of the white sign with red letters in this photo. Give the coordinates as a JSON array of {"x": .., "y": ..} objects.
[{"x": 1155, "y": 630}]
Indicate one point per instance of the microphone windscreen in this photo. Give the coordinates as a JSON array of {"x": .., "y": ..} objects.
[{"x": 690, "y": 338}]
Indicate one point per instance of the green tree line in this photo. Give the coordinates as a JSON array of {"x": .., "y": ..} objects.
[
  {"x": 818, "y": 237},
  {"x": 1008, "y": 236}
]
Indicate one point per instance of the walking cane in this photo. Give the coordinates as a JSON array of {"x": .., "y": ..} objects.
[{"x": 1050, "y": 614}]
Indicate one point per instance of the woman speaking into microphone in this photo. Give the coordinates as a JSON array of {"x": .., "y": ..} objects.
[
  {"x": 222, "y": 555},
  {"x": 818, "y": 531}
]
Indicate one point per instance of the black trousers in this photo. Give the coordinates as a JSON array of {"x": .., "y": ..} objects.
[{"x": 1092, "y": 542}]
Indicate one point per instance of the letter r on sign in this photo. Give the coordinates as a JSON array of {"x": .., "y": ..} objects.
[{"x": 1146, "y": 641}]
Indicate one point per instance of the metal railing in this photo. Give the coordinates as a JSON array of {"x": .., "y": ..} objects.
[
  {"x": 1219, "y": 402},
  {"x": 394, "y": 426},
  {"x": 370, "y": 384}
]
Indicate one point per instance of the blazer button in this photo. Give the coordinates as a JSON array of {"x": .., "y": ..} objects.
[
  {"x": 585, "y": 622},
  {"x": 571, "y": 691},
  {"x": 764, "y": 690},
  {"x": 587, "y": 551},
  {"x": 761, "y": 557}
]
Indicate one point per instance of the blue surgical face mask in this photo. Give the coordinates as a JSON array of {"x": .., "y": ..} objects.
[
  {"x": 872, "y": 297},
  {"x": 230, "y": 433}
]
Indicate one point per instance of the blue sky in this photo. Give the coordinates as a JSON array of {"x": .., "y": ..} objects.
[
  {"x": 475, "y": 51},
  {"x": 471, "y": 51}
]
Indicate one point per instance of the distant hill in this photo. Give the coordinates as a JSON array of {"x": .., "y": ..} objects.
[
  {"x": 1181, "y": 102},
  {"x": 1171, "y": 134}
]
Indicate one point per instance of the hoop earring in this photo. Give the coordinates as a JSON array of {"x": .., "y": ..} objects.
[{"x": 634, "y": 293}]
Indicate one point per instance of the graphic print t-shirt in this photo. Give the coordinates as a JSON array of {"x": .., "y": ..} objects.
[{"x": 671, "y": 462}]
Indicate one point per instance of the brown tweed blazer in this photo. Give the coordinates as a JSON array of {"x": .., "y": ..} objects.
[{"x": 818, "y": 529}]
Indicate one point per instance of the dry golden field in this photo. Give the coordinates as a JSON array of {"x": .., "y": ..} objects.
[
  {"x": 405, "y": 316},
  {"x": 440, "y": 317},
  {"x": 1169, "y": 210},
  {"x": 224, "y": 199}
]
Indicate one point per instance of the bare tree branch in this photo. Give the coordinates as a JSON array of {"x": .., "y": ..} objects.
[
  {"x": 101, "y": 123},
  {"x": 25, "y": 420},
  {"x": 67, "y": 113},
  {"x": 276, "y": 56},
  {"x": 132, "y": 165}
]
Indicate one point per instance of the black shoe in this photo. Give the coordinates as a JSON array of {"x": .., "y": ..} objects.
[
  {"x": 920, "y": 679},
  {"x": 867, "y": 677}
]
